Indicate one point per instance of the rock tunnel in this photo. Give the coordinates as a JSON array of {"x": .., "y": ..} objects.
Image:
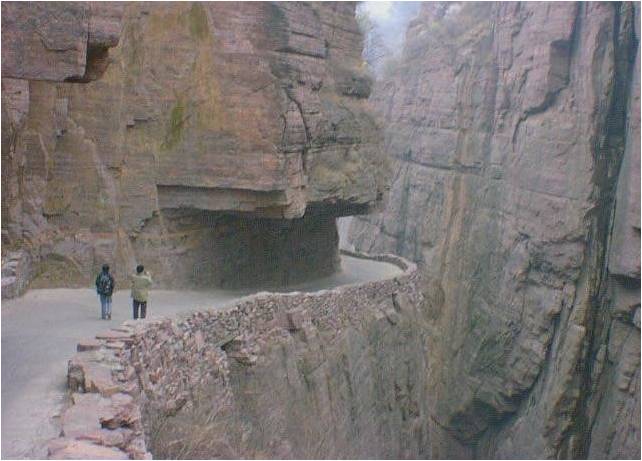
[{"x": 217, "y": 148}]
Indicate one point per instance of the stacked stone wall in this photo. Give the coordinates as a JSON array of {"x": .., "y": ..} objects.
[{"x": 250, "y": 375}]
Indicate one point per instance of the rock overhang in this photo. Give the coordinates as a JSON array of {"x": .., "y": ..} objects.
[
  {"x": 253, "y": 110},
  {"x": 45, "y": 41}
]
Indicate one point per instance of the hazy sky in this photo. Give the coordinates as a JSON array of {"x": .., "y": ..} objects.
[
  {"x": 379, "y": 11},
  {"x": 391, "y": 20}
]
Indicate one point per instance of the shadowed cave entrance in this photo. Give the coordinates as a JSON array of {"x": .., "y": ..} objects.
[{"x": 190, "y": 248}]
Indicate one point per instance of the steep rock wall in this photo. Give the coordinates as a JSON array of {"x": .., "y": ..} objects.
[
  {"x": 40, "y": 41},
  {"x": 514, "y": 132},
  {"x": 205, "y": 110},
  {"x": 335, "y": 374}
]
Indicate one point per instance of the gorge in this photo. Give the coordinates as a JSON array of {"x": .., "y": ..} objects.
[
  {"x": 495, "y": 162},
  {"x": 515, "y": 135}
]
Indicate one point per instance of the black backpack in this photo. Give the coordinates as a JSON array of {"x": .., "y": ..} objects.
[{"x": 105, "y": 284}]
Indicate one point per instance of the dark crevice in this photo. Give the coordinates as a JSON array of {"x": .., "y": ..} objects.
[
  {"x": 608, "y": 153},
  {"x": 308, "y": 137},
  {"x": 97, "y": 63},
  {"x": 290, "y": 50}
]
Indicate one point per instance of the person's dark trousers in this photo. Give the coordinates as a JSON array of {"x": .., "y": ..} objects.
[{"x": 143, "y": 309}]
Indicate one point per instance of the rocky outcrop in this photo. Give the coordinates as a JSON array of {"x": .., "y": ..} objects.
[
  {"x": 207, "y": 117},
  {"x": 40, "y": 41},
  {"x": 50, "y": 41},
  {"x": 514, "y": 134},
  {"x": 335, "y": 374}
]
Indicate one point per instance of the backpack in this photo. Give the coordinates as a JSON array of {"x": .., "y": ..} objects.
[{"x": 105, "y": 284}]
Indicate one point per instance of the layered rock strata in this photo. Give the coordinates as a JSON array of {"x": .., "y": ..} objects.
[
  {"x": 335, "y": 374},
  {"x": 206, "y": 113},
  {"x": 40, "y": 41},
  {"x": 54, "y": 42},
  {"x": 514, "y": 131}
]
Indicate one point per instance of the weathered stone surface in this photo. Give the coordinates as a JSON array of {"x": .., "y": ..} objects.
[
  {"x": 106, "y": 437},
  {"x": 207, "y": 109},
  {"x": 99, "y": 379},
  {"x": 79, "y": 449},
  {"x": 15, "y": 95},
  {"x": 16, "y": 272},
  {"x": 83, "y": 415},
  {"x": 91, "y": 371},
  {"x": 94, "y": 419},
  {"x": 624, "y": 254},
  {"x": 115, "y": 335},
  {"x": 123, "y": 413},
  {"x": 88, "y": 345},
  {"x": 514, "y": 134},
  {"x": 52, "y": 41}
]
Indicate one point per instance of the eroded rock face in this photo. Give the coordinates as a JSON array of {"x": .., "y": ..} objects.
[
  {"x": 50, "y": 41},
  {"x": 514, "y": 133},
  {"x": 41, "y": 41},
  {"x": 204, "y": 110}
]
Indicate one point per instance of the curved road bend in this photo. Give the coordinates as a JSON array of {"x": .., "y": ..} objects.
[{"x": 40, "y": 331}]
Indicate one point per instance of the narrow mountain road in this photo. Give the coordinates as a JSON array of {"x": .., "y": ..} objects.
[{"x": 40, "y": 331}]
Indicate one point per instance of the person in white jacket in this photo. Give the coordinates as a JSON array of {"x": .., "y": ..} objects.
[{"x": 141, "y": 283}]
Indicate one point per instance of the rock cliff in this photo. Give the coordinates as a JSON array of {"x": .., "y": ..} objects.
[
  {"x": 51, "y": 42},
  {"x": 217, "y": 142},
  {"x": 514, "y": 133},
  {"x": 210, "y": 131}
]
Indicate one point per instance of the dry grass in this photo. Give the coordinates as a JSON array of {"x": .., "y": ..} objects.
[{"x": 203, "y": 429}]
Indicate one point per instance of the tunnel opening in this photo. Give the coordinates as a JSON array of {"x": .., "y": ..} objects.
[{"x": 191, "y": 248}]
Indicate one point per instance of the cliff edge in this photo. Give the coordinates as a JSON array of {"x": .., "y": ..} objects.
[{"x": 514, "y": 133}]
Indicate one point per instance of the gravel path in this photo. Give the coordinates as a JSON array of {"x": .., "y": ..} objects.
[{"x": 40, "y": 331}]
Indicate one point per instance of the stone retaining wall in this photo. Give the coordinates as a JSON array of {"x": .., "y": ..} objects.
[
  {"x": 136, "y": 387},
  {"x": 16, "y": 273}
]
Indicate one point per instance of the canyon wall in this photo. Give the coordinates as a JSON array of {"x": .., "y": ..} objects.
[
  {"x": 339, "y": 373},
  {"x": 168, "y": 147},
  {"x": 51, "y": 42},
  {"x": 216, "y": 143},
  {"x": 514, "y": 134}
]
